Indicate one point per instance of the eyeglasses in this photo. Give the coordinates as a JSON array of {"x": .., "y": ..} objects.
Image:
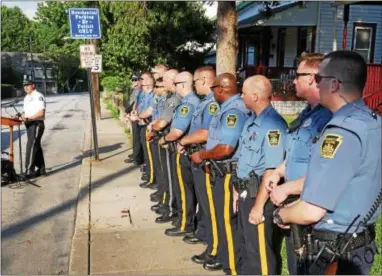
[
  {"x": 141, "y": 78},
  {"x": 318, "y": 78},
  {"x": 159, "y": 79},
  {"x": 303, "y": 74},
  {"x": 214, "y": 86},
  {"x": 176, "y": 83},
  {"x": 158, "y": 86}
]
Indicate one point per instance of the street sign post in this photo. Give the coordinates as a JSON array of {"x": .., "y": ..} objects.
[
  {"x": 84, "y": 23},
  {"x": 87, "y": 53},
  {"x": 97, "y": 68}
]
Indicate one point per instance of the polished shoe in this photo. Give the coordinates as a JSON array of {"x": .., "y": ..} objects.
[
  {"x": 165, "y": 218},
  {"x": 202, "y": 258},
  {"x": 156, "y": 207},
  {"x": 213, "y": 265},
  {"x": 144, "y": 184},
  {"x": 153, "y": 186},
  {"x": 192, "y": 239},
  {"x": 162, "y": 210},
  {"x": 176, "y": 232}
]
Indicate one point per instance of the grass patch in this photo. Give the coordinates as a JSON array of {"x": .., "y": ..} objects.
[
  {"x": 127, "y": 131},
  {"x": 377, "y": 267},
  {"x": 114, "y": 111}
]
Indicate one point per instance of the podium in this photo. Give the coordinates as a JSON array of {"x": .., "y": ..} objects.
[{"x": 5, "y": 121}]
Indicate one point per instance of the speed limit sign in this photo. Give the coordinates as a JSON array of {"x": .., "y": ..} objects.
[{"x": 97, "y": 68}]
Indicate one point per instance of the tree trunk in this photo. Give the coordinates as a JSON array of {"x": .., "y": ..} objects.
[{"x": 226, "y": 48}]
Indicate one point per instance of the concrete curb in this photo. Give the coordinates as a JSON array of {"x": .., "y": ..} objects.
[{"x": 79, "y": 255}]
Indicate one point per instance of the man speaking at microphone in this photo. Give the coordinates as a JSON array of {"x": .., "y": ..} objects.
[{"x": 33, "y": 117}]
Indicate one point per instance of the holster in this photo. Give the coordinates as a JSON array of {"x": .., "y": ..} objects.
[{"x": 251, "y": 184}]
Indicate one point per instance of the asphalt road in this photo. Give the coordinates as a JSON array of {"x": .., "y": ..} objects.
[{"x": 38, "y": 223}]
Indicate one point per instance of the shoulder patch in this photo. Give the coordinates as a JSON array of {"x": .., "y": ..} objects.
[
  {"x": 184, "y": 111},
  {"x": 231, "y": 120},
  {"x": 274, "y": 137},
  {"x": 330, "y": 145},
  {"x": 212, "y": 108},
  {"x": 41, "y": 98}
]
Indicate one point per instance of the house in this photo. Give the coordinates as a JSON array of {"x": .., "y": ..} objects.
[
  {"x": 17, "y": 66},
  {"x": 271, "y": 40}
]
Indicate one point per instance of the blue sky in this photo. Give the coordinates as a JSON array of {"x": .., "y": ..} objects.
[{"x": 30, "y": 7}]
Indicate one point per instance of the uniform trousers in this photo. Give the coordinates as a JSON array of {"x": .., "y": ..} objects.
[
  {"x": 158, "y": 168},
  {"x": 228, "y": 249},
  {"x": 137, "y": 145},
  {"x": 34, "y": 156},
  {"x": 184, "y": 193},
  {"x": 148, "y": 158},
  {"x": 168, "y": 199},
  {"x": 259, "y": 244}
]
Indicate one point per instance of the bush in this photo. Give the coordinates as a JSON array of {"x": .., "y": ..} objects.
[{"x": 115, "y": 83}]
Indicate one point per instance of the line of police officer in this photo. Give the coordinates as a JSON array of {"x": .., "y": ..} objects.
[{"x": 223, "y": 162}]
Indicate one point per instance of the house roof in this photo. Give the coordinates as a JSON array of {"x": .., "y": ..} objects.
[{"x": 261, "y": 15}]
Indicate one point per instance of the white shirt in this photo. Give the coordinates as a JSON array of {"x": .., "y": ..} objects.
[{"x": 33, "y": 103}]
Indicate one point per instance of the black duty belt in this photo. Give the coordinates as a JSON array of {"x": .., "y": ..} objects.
[
  {"x": 31, "y": 123},
  {"x": 362, "y": 239}
]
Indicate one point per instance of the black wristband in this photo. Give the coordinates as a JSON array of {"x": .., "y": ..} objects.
[{"x": 277, "y": 218}]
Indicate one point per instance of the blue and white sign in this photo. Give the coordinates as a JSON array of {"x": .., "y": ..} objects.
[{"x": 84, "y": 23}]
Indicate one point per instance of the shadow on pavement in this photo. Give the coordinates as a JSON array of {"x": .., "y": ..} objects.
[{"x": 16, "y": 228}]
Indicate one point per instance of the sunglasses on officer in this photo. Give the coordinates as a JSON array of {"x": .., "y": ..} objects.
[
  {"x": 179, "y": 82},
  {"x": 318, "y": 78},
  {"x": 215, "y": 86},
  {"x": 158, "y": 86}
]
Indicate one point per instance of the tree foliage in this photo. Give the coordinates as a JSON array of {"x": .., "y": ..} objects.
[{"x": 15, "y": 30}]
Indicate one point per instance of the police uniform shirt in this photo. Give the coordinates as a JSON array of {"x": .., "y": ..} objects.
[
  {"x": 157, "y": 102},
  {"x": 204, "y": 113},
  {"x": 166, "y": 111},
  {"x": 310, "y": 123},
  {"x": 344, "y": 175},
  {"x": 261, "y": 145},
  {"x": 183, "y": 113},
  {"x": 147, "y": 100},
  {"x": 227, "y": 124},
  {"x": 33, "y": 103}
]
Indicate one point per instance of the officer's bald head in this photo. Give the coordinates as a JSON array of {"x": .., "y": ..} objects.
[
  {"x": 224, "y": 87},
  {"x": 159, "y": 70},
  {"x": 183, "y": 83},
  {"x": 203, "y": 79},
  {"x": 257, "y": 92}
]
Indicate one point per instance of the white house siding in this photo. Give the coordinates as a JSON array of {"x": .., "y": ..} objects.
[
  {"x": 326, "y": 42},
  {"x": 289, "y": 107}
]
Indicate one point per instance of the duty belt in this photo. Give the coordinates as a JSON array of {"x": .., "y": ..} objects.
[
  {"x": 362, "y": 239},
  {"x": 251, "y": 184}
]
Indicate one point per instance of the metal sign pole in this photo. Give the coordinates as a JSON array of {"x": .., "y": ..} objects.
[{"x": 92, "y": 111}]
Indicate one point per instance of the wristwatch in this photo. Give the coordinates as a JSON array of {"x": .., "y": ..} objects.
[{"x": 277, "y": 218}]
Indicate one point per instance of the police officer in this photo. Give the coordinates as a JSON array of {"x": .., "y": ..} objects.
[
  {"x": 302, "y": 133},
  {"x": 261, "y": 149},
  {"x": 344, "y": 169},
  {"x": 223, "y": 136},
  {"x": 184, "y": 188},
  {"x": 148, "y": 97},
  {"x": 198, "y": 134},
  {"x": 33, "y": 117},
  {"x": 166, "y": 196}
]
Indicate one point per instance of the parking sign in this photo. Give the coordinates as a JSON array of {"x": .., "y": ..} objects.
[
  {"x": 87, "y": 53},
  {"x": 97, "y": 68},
  {"x": 84, "y": 23}
]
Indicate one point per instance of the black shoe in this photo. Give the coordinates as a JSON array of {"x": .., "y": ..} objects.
[
  {"x": 213, "y": 265},
  {"x": 153, "y": 186},
  {"x": 192, "y": 239},
  {"x": 162, "y": 210},
  {"x": 156, "y": 198},
  {"x": 176, "y": 232},
  {"x": 129, "y": 160},
  {"x": 202, "y": 258},
  {"x": 165, "y": 218},
  {"x": 156, "y": 207},
  {"x": 145, "y": 184}
]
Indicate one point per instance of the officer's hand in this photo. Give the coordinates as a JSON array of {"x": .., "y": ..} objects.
[
  {"x": 161, "y": 141},
  {"x": 235, "y": 200},
  {"x": 133, "y": 113},
  {"x": 279, "y": 194},
  {"x": 271, "y": 181},
  {"x": 134, "y": 118},
  {"x": 180, "y": 148},
  {"x": 150, "y": 127},
  {"x": 256, "y": 216},
  {"x": 149, "y": 136},
  {"x": 195, "y": 157}
]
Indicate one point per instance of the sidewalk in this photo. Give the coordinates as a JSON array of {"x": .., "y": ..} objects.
[{"x": 120, "y": 245}]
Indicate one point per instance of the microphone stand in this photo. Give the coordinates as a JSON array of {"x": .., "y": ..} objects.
[{"x": 22, "y": 177}]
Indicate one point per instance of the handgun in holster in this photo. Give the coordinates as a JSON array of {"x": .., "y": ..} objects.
[{"x": 253, "y": 184}]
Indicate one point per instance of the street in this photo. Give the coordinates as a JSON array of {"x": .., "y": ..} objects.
[{"x": 38, "y": 223}]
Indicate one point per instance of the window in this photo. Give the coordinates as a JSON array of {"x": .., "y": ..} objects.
[
  {"x": 364, "y": 40},
  {"x": 281, "y": 47},
  {"x": 302, "y": 43}
]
